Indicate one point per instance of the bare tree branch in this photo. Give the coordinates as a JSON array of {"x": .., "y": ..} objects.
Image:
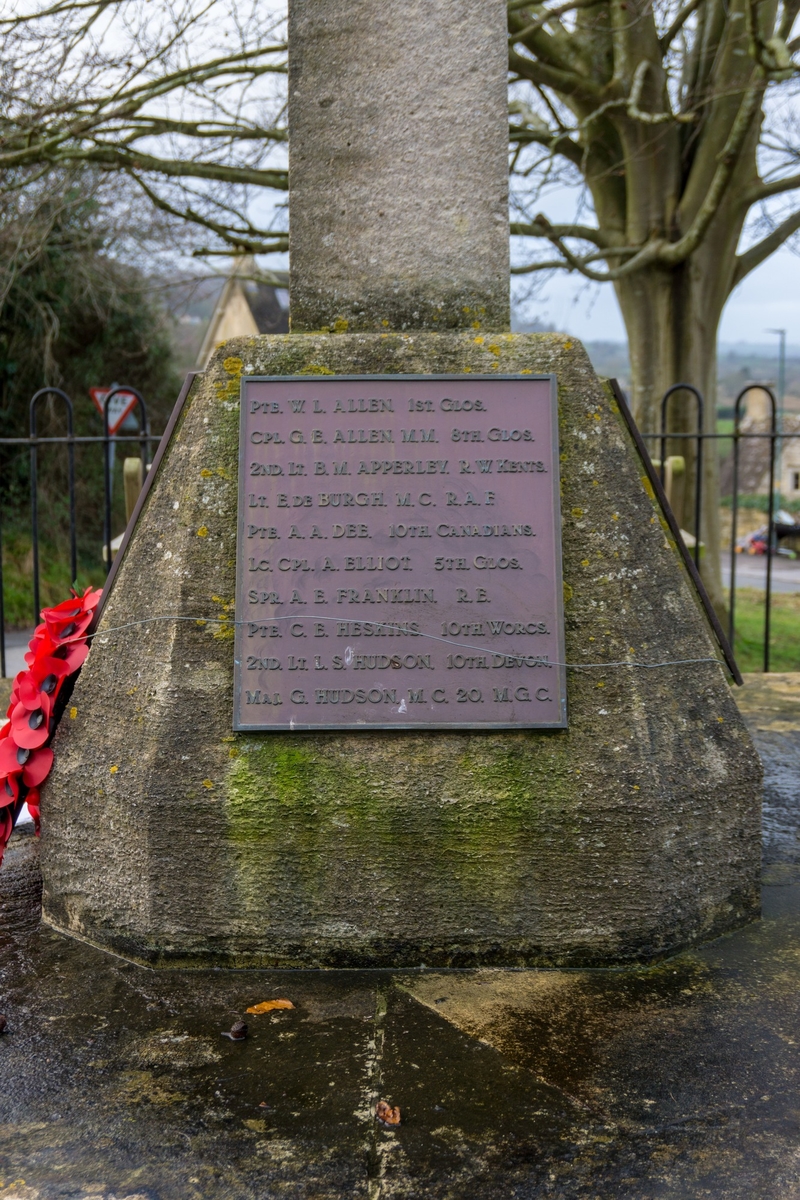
[
  {"x": 756, "y": 255},
  {"x": 776, "y": 187},
  {"x": 788, "y": 18},
  {"x": 550, "y": 14},
  {"x": 567, "y": 83},
  {"x": 671, "y": 32},
  {"x": 541, "y": 227},
  {"x": 651, "y": 118},
  {"x": 560, "y": 264},
  {"x": 556, "y": 143},
  {"x": 248, "y": 240},
  {"x": 110, "y": 156},
  {"x": 151, "y": 91},
  {"x": 680, "y": 250},
  {"x": 640, "y": 257}
]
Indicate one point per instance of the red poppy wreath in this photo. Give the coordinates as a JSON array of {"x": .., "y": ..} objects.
[{"x": 56, "y": 652}]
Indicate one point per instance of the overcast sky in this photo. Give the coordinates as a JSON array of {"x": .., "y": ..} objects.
[{"x": 769, "y": 298}]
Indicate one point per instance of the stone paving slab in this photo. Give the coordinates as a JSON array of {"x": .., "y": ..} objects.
[
  {"x": 661, "y": 1083},
  {"x": 770, "y": 705}
]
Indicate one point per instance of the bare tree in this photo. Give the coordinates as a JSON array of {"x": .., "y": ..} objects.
[
  {"x": 676, "y": 119},
  {"x": 185, "y": 99}
]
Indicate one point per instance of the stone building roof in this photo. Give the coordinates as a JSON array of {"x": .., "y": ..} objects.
[{"x": 246, "y": 306}]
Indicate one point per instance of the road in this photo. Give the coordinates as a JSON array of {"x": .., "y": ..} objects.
[{"x": 751, "y": 572}]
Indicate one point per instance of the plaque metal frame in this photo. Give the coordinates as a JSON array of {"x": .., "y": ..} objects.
[{"x": 294, "y": 726}]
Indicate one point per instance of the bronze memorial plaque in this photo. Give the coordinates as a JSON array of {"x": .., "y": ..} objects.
[{"x": 399, "y": 555}]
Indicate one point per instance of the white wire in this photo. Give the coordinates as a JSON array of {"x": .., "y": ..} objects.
[{"x": 670, "y": 662}]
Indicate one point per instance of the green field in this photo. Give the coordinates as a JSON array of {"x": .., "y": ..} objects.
[{"x": 784, "y": 632}]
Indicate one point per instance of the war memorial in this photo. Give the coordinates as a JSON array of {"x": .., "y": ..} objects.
[
  {"x": 399, "y": 670},
  {"x": 400, "y": 666}
]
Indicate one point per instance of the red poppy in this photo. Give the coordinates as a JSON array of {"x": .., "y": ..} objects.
[
  {"x": 75, "y": 605},
  {"x": 65, "y": 610},
  {"x": 9, "y": 791},
  {"x": 32, "y": 697},
  {"x": 43, "y": 679},
  {"x": 74, "y": 654},
  {"x": 31, "y": 727},
  {"x": 9, "y": 763},
  {"x": 90, "y": 598},
  {"x": 66, "y": 629},
  {"x": 37, "y": 767},
  {"x": 36, "y": 643},
  {"x": 48, "y": 666},
  {"x": 14, "y": 698},
  {"x": 33, "y": 765},
  {"x": 73, "y": 615}
]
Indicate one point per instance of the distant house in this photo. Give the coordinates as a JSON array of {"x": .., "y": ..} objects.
[
  {"x": 246, "y": 307},
  {"x": 754, "y": 453}
]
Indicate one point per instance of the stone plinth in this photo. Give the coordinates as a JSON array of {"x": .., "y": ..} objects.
[
  {"x": 633, "y": 832},
  {"x": 398, "y": 164}
]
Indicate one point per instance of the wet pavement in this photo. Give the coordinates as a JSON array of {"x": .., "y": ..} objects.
[{"x": 672, "y": 1081}]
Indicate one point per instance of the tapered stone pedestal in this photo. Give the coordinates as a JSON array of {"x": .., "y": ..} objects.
[{"x": 167, "y": 837}]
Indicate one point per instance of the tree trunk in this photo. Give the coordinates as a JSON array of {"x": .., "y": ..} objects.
[{"x": 672, "y": 318}]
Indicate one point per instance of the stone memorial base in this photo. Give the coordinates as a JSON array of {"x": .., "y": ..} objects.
[{"x": 631, "y": 833}]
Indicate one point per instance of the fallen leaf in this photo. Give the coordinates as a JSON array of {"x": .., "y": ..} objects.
[
  {"x": 386, "y": 1114},
  {"x": 268, "y": 1005}
]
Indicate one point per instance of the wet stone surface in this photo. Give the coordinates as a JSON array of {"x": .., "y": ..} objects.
[
  {"x": 677, "y": 1080},
  {"x": 771, "y": 707}
]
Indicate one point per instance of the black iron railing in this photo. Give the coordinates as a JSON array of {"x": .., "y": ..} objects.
[
  {"x": 108, "y": 442},
  {"x": 774, "y": 437}
]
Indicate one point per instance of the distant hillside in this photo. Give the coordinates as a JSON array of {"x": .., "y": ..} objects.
[
  {"x": 737, "y": 365},
  {"x": 740, "y": 365}
]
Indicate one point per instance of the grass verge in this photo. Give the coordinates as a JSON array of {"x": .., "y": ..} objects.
[
  {"x": 784, "y": 631},
  {"x": 54, "y": 579}
]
